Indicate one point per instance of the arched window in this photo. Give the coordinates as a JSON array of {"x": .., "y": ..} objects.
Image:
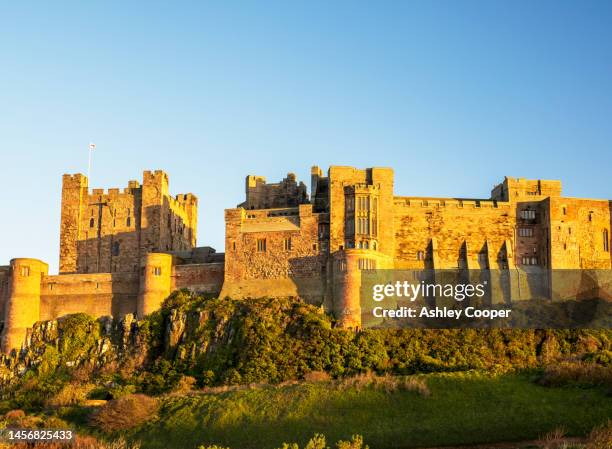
[
  {"x": 606, "y": 241},
  {"x": 116, "y": 248},
  {"x": 128, "y": 222},
  {"x": 92, "y": 222}
]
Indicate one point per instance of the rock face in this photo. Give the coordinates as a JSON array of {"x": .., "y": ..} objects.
[
  {"x": 223, "y": 341},
  {"x": 73, "y": 341}
]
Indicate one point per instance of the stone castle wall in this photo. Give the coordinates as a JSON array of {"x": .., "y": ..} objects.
[
  {"x": 4, "y": 287},
  {"x": 97, "y": 294},
  {"x": 111, "y": 231},
  {"x": 578, "y": 230},
  {"x": 275, "y": 252},
  {"x": 125, "y": 251},
  {"x": 446, "y": 234}
]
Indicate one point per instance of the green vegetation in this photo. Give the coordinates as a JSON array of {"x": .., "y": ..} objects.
[
  {"x": 463, "y": 408},
  {"x": 259, "y": 373}
]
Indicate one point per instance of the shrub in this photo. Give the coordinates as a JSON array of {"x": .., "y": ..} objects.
[
  {"x": 73, "y": 393},
  {"x": 125, "y": 413},
  {"x": 386, "y": 382},
  {"x": 119, "y": 391},
  {"x": 185, "y": 384},
  {"x": 355, "y": 443},
  {"x": 317, "y": 376},
  {"x": 416, "y": 385},
  {"x": 14, "y": 415},
  {"x": 582, "y": 373}
]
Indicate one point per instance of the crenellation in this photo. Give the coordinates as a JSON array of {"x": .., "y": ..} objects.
[{"x": 124, "y": 251}]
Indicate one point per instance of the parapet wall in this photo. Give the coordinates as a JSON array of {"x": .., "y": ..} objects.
[
  {"x": 99, "y": 294},
  {"x": 451, "y": 233},
  {"x": 204, "y": 278}
]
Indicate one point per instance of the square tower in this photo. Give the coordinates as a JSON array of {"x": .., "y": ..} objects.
[{"x": 112, "y": 231}]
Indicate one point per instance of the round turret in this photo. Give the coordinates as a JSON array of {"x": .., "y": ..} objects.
[
  {"x": 22, "y": 309},
  {"x": 155, "y": 283}
]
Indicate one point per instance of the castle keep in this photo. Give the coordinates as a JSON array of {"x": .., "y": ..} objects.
[{"x": 123, "y": 251}]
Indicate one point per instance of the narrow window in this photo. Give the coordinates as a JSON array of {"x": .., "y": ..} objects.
[
  {"x": 157, "y": 271},
  {"x": 116, "y": 248},
  {"x": 128, "y": 222},
  {"x": 233, "y": 246},
  {"x": 528, "y": 214},
  {"x": 314, "y": 246},
  {"x": 287, "y": 244},
  {"x": 92, "y": 222},
  {"x": 25, "y": 271},
  {"x": 606, "y": 241},
  {"x": 261, "y": 245},
  {"x": 564, "y": 210},
  {"x": 591, "y": 216}
]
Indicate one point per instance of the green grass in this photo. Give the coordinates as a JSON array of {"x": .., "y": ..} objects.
[{"x": 464, "y": 408}]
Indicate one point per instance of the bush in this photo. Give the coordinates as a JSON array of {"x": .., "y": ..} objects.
[
  {"x": 581, "y": 373},
  {"x": 125, "y": 413},
  {"x": 317, "y": 376},
  {"x": 416, "y": 385},
  {"x": 119, "y": 391},
  {"x": 73, "y": 393},
  {"x": 14, "y": 416},
  {"x": 386, "y": 382},
  {"x": 185, "y": 384}
]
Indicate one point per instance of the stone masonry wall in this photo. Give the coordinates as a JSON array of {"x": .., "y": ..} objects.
[
  {"x": 578, "y": 228},
  {"x": 205, "y": 278},
  {"x": 4, "y": 287},
  {"x": 274, "y": 252},
  {"x": 97, "y": 294},
  {"x": 466, "y": 232},
  {"x": 111, "y": 231}
]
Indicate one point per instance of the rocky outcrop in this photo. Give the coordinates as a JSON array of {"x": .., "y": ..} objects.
[{"x": 73, "y": 341}]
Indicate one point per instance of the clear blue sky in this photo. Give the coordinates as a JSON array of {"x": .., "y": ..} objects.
[{"x": 454, "y": 95}]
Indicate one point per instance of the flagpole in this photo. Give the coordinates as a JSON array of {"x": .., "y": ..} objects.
[{"x": 91, "y": 147}]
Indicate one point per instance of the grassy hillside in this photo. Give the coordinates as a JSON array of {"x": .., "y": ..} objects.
[
  {"x": 481, "y": 385},
  {"x": 463, "y": 408}
]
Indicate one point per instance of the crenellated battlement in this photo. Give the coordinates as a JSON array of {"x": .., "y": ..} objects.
[
  {"x": 431, "y": 202},
  {"x": 124, "y": 250},
  {"x": 112, "y": 230}
]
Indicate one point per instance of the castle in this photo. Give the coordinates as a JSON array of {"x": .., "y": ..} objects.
[{"x": 123, "y": 252}]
